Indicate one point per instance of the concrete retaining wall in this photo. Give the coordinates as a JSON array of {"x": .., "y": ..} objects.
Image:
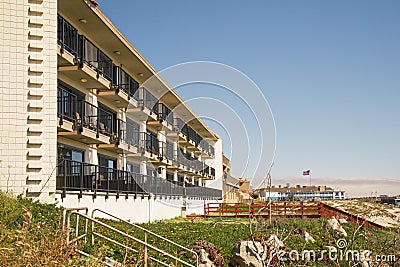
[{"x": 136, "y": 209}]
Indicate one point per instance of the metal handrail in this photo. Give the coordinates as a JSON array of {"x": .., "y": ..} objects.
[
  {"x": 115, "y": 230},
  {"x": 149, "y": 232}
]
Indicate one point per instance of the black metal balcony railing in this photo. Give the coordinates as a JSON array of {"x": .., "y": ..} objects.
[
  {"x": 198, "y": 166},
  {"x": 94, "y": 118},
  {"x": 147, "y": 100},
  {"x": 211, "y": 151},
  {"x": 67, "y": 36},
  {"x": 180, "y": 126},
  {"x": 165, "y": 114},
  {"x": 162, "y": 150},
  {"x": 124, "y": 82},
  {"x": 166, "y": 150},
  {"x": 66, "y": 105},
  {"x": 170, "y": 151},
  {"x": 84, "y": 114},
  {"x": 95, "y": 58},
  {"x": 181, "y": 159},
  {"x": 120, "y": 133},
  {"x": 212, "y": 172},
  {"x": 170, "y": 177},
  {"x": 149, "y": 142},
  {"x": 132, "y": 134},
  {"x": 79, "y": 176},
  {"x": 205, "y": 146}
]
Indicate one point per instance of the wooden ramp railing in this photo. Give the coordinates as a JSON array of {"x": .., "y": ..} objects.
[
  {"x": 283, "y": 209},
  {"x": 329, "y": 212},
  {"x": 286, "y": 209}
]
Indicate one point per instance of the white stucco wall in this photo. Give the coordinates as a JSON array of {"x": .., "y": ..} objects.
[
  {"x": 136, "y": 210},
  {"x": 216, "y": 163}
]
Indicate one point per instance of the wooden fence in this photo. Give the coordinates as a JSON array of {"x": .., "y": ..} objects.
[
  {"x": 286, "y": 209},
  {"x": 283, "y": 209}
]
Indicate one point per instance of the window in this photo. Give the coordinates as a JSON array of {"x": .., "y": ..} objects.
[
  {"x": 70, "y": 153},
  {"x": 108, "y": 162},
  {"x": 170, "y": 176},
  {"x": 132, "y": 167}
]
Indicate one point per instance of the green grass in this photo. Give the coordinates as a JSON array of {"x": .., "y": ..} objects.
[
  {"x": 226, "y": 233},
  {"x": 31, "y": 235}
]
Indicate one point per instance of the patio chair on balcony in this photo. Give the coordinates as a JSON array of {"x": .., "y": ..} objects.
[
  {"x": 102, "y": 128},
  {"x": 90, "y": 122},
  {"x": 77, "y": 121}
]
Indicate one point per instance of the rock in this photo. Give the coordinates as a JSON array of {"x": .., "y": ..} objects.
[
  {"x": 209, "y": 255},
  {"x": 364, "y": 258},
  {"x": 342, "y": 221},
  {"x": 256, "y": 254},
  {"x": 247, "y": 254},
  {"x": 274, "y": 243},
  {"x": 308, "y": 237},
  {"x": 335, "y": 225},
  {"x": 205, "y": 260}
]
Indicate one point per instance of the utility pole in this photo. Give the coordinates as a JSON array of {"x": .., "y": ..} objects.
[{"x": 269, "y": 192}]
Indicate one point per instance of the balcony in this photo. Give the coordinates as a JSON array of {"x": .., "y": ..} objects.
[
  {"x": 180, "y": 128},
  {"x": 149, "y": 143},
  {"x": 79, "y": 59},
  {"x": 67, "y": 37},
  {"x": 95, "y": 58},
  {"x": 165, "y": 119},
  {"x": 74, "y": 176},
  {"x": 82, "y": 121},
  {"x": 66, "y": 107},
  {"x": 208, "y": 172},
  {"x": 79, "y": 176},
  {"x": 187, "y": 136},
  {"x": 125, "y": 139},
  {"x": 124, "y": 82},
  {"x": 166, "y": 155},
  {"x": 124, "y": 89},
  {"x": 132, "y": 134},
  {"x": 147, "y": 107}
]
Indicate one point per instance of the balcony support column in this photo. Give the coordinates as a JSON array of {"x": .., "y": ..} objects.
[
  {"x": 162, "y": 172},
  {"x": 143, "y": 167},
  {"x": 175, "y": 175},
  {"x": 142, "y": 126},
  {"x": 92, "y": 156}
]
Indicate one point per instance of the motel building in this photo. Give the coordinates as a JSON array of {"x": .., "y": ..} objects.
[
  {"x": 81, "y": 128},
  {"x": 300, "y": 193}
]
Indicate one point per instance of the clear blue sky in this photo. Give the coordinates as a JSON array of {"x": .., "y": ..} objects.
[{"x": 329, "y": 69}]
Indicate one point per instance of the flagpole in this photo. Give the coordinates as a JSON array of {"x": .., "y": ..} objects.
[{"x": 310, "y": 177}]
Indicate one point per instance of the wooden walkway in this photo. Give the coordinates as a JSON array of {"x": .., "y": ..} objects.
[{"x": 288, "y": 209}]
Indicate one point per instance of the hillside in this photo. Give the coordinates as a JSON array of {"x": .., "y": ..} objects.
[
  {"x": 387, "y": 216},
  {"x": 31, "y": 235}
]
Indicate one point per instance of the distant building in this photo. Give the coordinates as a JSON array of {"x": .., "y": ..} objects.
[
  {"x": 300, "y": 193},
  {"x": 234, "y": 190}
]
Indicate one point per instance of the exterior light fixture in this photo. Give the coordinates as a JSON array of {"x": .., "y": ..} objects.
[
  {"x": 84, "y": 21},
  {"x": 140, "y": 74},
  {"x": 83, "y": 80},
  {"x": 117, "y": 52}
]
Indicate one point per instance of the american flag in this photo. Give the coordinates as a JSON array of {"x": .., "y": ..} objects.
[{"x": 307, "y": 172}]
